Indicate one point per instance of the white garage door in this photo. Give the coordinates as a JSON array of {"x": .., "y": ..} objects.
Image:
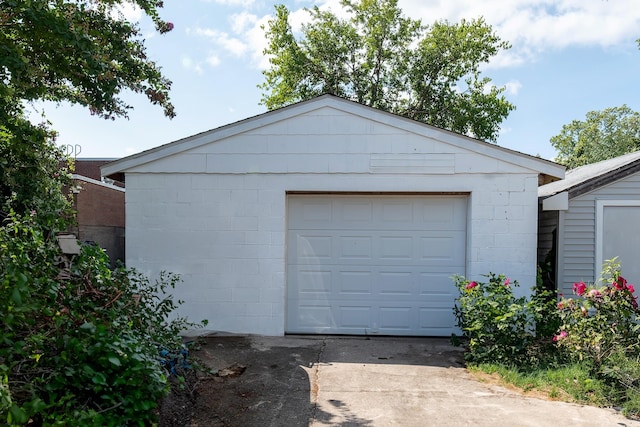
[{"x": 374, "y": 264}]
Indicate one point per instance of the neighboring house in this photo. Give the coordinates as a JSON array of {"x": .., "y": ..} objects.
[
  {"x": 591, "y": 216},
  {"x": 100, "y": 209},
  {"x": 328, "y": 216}
]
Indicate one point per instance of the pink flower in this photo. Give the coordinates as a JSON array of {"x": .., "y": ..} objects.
[
  {"x": 620, "y": 284},
  {"x": 507, "y": 281},
  {"x": 165, "y": 27},
  {"x": 471, "y": 285},
  {"x": 562, "y": 335},
  {"x": 560, "y": 305},
  {"x": 594, "y": 293},
  {"x": 579, "y": 288},
  {"x": 631, "y": 288}
]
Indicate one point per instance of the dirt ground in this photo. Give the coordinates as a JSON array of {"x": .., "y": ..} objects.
[{"x": 233, "y": 383}]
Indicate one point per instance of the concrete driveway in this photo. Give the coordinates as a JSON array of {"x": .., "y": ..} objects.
[{"x": 377, "y": 381}]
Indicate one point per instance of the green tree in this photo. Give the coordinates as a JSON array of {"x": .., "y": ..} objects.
[
  {"x": 380, "y": 58},
  {"x": 602, "y": 135},
  {"x": 80, "y": 343},
  {"x": 79, "y": 51}
]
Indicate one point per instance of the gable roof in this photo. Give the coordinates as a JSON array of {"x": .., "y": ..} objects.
[
  {"x": 542, "y": 166},
  {"x": 589, "y": 177}
]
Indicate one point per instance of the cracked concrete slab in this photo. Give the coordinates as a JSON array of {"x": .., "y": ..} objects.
[{"x": 377, "y": 381}]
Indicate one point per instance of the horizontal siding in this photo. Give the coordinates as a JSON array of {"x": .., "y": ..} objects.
[
  {"x": 547, "y": 223},
  {"x": 577, "y": 238}
]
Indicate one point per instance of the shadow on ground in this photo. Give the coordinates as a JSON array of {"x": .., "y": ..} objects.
[{"x": 274, "y": 381}]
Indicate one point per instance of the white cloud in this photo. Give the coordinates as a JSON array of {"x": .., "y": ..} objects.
[
  {"x": 213, "y": 60},
  {"x": 190, "y": 65},
  {"x": 243, "y": 3},
  {"x": 535, "y": 26},
  {"x": 232, "y": 45},
  {"x": 531, "y": 26},
  {"x": 512, "y": 87},
  {"x": 256, "y": 40},
  {"x": 241, "y": 21}
]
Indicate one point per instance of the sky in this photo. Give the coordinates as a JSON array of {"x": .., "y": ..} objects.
[{"x": 568, "y": 57}]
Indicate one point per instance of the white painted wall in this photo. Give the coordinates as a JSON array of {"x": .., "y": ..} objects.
[{"x": 216, "y": 213}]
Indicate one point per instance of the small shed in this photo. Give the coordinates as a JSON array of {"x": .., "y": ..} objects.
[
  {"x": 591, "y": 216},
  {"x": 330, "y": 217}
]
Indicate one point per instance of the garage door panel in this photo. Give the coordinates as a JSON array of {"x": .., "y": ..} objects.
[
  {"x": 436, "y": 282},
  {"x": 396, "y": 248},
  {"x": 437, "y": 248},
  {"x": 310, "y": 248},
  {"x": 354, "y": 282},
  {"x": 355, "y": 211},
  {"x": 354, "y": 317},
  {"x": 313, "y": 282},
  {"x": 439, "y": 317},
  {"x": 396, "y": 283},
  {"x": 396, "y": 318},
  {"x": 398, "y": 213},
  {"x": 367, "y": 265},
  {"x": 309, "y": 316},
  {"x": 354, "y": 247}
]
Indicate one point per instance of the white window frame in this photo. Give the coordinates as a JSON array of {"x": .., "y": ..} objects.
[{"x": 600, "y": 205}]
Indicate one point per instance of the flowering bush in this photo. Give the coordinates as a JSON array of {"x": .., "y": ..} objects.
[
  {"x": 497, "y": 324},
  {"x": 602, "y": 320}
]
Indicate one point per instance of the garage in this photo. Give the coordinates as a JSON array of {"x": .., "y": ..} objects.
[
  {"x": 364, "y": 264},
  {"x": 330, "y": 217}
]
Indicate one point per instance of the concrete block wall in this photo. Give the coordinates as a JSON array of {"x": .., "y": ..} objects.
[
  {"x": 213, "y": 209},
  {"x": 225, "y": 234}
]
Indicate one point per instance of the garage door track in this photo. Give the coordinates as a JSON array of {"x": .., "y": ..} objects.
[{"x": 363, "y": 381}]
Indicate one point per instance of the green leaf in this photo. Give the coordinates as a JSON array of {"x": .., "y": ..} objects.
[
  {"x": 16, "y": 415},
  {"x": 88, "y": 326},
  {"x": 16, "y": 296}
]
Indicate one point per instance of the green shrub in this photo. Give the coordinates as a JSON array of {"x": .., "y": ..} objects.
[
  {"x": 588, "y": 346},
  {"x": 82, "y": 343},
  {"x": 602, "y": 321},
  {"x": 599, "y": 329},
  {"x": 498, "y": 325},
  {"x": 501, "y": 328}
]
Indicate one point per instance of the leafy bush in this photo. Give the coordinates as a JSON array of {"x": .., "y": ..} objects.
[
  {"x": 497, "y": 324},
  {"x": 82, "y": 343},
  {"x": 600, "y": 327},
  {"x": 588, "y": 346},
  {"x": 502, "y": 328},
  {"x": 602, "y": 321}
]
